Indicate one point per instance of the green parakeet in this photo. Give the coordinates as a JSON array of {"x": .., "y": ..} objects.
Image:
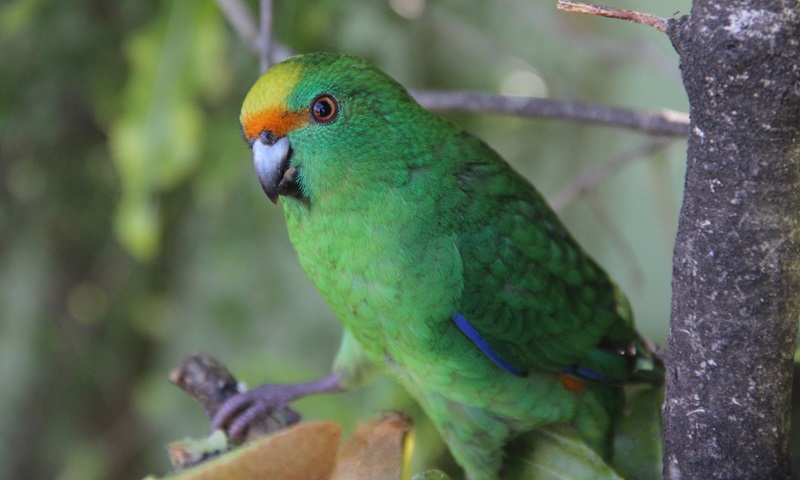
[{"x": 448, "y": 270}]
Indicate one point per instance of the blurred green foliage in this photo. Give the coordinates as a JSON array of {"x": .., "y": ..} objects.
[{"x": 133, "y": 231}]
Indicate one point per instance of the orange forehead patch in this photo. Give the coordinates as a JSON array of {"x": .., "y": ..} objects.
[
  {"x": 266, "y": 106},
  {"x": 274, "y": 120}
]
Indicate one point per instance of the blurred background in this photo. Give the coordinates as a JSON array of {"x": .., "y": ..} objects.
[{"x": 133, "y": 231}]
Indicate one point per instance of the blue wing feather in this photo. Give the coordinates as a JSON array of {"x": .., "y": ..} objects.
[{"x": 476, "y": 338}]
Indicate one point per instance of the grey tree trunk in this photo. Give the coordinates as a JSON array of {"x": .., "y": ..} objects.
[{"x": 736, "y": 278}]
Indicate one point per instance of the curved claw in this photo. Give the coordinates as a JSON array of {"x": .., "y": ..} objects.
[{"x": 242, "y": 411}]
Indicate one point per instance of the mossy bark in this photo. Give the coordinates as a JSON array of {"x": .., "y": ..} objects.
[{"x": 736, "y": 291}]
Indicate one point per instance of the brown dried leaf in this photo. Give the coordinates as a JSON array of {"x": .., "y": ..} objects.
[
  {"x": 303, "y": 452},
  {"x": 380, "y": 449}
]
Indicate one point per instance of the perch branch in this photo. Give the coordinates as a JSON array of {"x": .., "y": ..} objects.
[
  {"x": 210, "y": 383},
  {"x": 654, "y": 21}
]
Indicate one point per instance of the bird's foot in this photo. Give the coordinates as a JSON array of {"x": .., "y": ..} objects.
[{"x": 236, "y": 415}]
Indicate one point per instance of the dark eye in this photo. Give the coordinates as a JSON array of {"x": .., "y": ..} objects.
[{"x": 324, "y": 109}]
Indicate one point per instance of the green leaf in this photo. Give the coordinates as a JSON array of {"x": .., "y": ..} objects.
[
  {"x": 638, "y": 444},
  {"x": 137, "y": 224},
  {"x": 559, "y": 453},
  {"x": 431, "y": 475},
  {"x": 158, "y": 140}
]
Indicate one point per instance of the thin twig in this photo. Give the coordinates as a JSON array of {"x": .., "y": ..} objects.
[
  {"x": 664, "y": 123},
  {"x": 266, "y": 35},
  {"x": 654, "y": 21},
  {"x": 621, "y": 243},
  {"x": 243, "y": 22},
  {"x": 589, "y": 179}
]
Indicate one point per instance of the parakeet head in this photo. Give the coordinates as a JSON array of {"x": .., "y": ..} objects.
[{"x": 322, "y": 121}]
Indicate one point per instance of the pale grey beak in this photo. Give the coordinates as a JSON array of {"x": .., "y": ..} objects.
[{"x": 271, "y": 162}]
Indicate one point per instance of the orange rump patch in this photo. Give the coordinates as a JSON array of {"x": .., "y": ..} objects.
[{"x": 574, "y": 385}]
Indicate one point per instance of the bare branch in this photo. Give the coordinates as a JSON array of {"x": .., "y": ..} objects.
[
  {"x": 244, "y": 23},
  {"x": 589, "y": 179},
  {"x": 241, "y": 20},
  {"x": 654, "y": 21},
  {"x": 266, "y": 35},
  {"x": 665, "y": 123}
]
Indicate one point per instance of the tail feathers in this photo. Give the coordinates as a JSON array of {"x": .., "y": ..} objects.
[
  {"x": 649, "y": 366},
  {"x": 612, "y": 363},
  {"x": 589, "y": 375}
]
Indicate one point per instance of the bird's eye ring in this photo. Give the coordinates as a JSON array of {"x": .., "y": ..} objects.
[{"x": 324, "y": 109}]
